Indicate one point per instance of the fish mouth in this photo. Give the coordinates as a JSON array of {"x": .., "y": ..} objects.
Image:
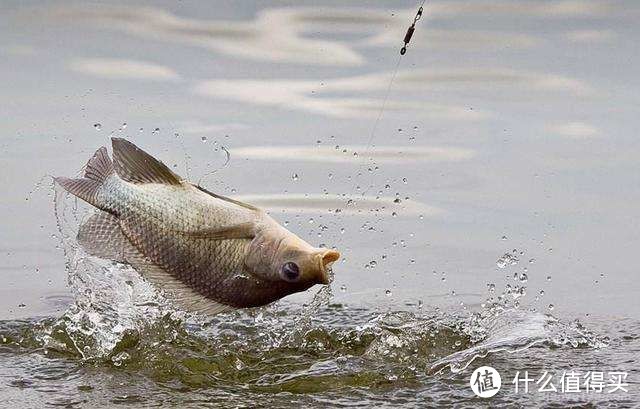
[{"x": 328, "y": 258}]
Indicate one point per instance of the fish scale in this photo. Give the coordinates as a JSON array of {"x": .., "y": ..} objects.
[{"x": 209, "y": 253}]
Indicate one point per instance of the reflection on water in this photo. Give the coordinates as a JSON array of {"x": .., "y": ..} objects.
[
  {"x": 354, "y": 153},
  {"x": 251, "y": 40},
  {"x": 123, "y": 69},
  {"x": 360, "y": 205}
]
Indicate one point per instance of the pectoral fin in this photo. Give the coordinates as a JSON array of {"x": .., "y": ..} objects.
[{"x": 244, "y": 230}]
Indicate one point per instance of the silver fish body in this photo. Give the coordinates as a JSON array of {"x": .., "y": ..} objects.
[{"x": 208, "y": 252}]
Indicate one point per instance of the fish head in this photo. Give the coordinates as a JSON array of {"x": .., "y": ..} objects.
[
  {"x": 299, "y": 262},
  {"x": 279, "y": 255}
]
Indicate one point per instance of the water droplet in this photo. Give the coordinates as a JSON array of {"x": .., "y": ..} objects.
[
  {"x": 124, "y": 125},
  {"x": 204, "y": 139},
  {"x": 120, "y": 358},
  {"x": 343, "y": 288},
  {"x": 156, "y": 131},
  {"x": 548, "y": 278},
  {"x": 504, "y": 238},
  {"x": 492, "y": 287},
  {"x": 97, "y": 126},
  {"x": 551, "y": 307},
  {"x": 420, "y": 304},
  {"x": 388, "y": 293},
  {"x": 311, "y": 221},
  {"x": 523, "y": 278},
  {"x": 541, "y": 293},
  {"x": 507, "y": 259},
  {"x": 295, "y": 176},
  {"x": 239, "y": 364}
]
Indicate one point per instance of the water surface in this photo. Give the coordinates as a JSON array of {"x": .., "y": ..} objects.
[{"x": 491, "y": 217}]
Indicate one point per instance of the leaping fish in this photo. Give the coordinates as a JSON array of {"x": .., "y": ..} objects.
[{"x": 209, "y": 253}]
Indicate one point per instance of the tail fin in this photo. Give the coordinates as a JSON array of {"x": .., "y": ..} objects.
[{"x": 97, "y": 170}]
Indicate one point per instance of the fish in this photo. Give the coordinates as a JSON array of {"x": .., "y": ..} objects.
[{"x": 208, "y": 253}]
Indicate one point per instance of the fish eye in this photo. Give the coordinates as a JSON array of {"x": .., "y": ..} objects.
[{"x": 290, "y": 271}]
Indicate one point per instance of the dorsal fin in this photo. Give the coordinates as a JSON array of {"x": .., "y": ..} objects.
[
  {"x": 227, "y": 199},
  {"x": 137, "y": 166}
]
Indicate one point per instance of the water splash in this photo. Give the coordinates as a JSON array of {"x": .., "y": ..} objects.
[
  {"x": 496, "y": 329},
  {"x": 110, "y": 299},
  {"x": 507, "y": 259},
  {"x": 121, "y": 322}
]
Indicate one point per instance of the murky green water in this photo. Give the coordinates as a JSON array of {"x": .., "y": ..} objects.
[{"x": 337, "y": 356}]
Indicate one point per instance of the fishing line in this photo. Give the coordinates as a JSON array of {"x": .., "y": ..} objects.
[
  {"x": 384, "y": 102},
  {"x": 369, "y": 145}
]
